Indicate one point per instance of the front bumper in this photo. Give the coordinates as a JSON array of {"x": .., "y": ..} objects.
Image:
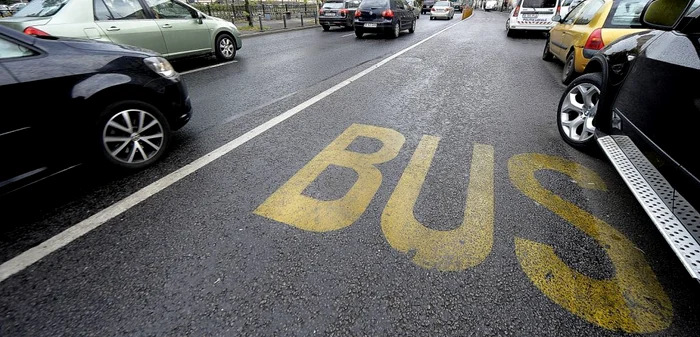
[{"x": 174, "y": 100}]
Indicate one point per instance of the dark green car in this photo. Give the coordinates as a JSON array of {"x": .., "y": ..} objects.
[{"x": 169, "y": 27}]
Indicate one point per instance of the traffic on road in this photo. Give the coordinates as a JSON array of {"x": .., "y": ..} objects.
[{"x": 374, "y": 174}]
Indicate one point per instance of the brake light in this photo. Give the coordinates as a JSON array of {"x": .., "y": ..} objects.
[
  {"x": 388, "y": 14},
  {"x": 358, "y": 13},
  {"x": 432, "y": 9},
  {"x": 516, "y": 11},
  {"x": 35, "y": 32},
  {"x": 558, "y": 10},
  {"x": 595, "y": 40},
  {"x": 321, "y": 12},
  {"x": 343, "y": 12}
]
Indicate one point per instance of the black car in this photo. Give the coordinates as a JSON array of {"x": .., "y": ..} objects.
[
  {"x": 384, "y": 16},
  {"x": 427, "y": 5},
  {"x": 639, "y": 101},
  {"x": 337, "y": 13},
  {"x": 68, "y": 100}
]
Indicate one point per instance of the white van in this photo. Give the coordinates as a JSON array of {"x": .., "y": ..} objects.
[{"x": 532, "y": 15}]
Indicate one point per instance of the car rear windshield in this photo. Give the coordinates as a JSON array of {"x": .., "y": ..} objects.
[
  {"x": 539, "y": 3},
  {"x": 626, "y": 14},
  {"x": 333, "y": 5},
  {"x": 374, "y": 4},
  {"x": 442, "y": 4},
  {"x": 41, "y": 8}
]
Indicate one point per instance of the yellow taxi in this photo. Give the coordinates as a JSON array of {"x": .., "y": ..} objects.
[{"x": 587, "y": 28}]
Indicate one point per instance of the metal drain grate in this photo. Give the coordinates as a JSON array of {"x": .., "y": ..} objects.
[{"x": 651, "y": 190}]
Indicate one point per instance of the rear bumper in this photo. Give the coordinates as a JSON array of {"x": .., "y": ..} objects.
[
  {"x": 335, "y": 21},
  {"x": 381, "y": 25},
  {"x": 440, "y": 14},
  {"x": 537, "y": 27}
]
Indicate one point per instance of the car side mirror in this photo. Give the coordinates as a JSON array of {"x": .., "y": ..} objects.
[
  {"x": 663, "y": 14},
  {"x": 556, "y": 18}
]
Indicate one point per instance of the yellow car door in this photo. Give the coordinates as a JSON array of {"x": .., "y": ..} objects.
[{"x": 559, "y": 36}]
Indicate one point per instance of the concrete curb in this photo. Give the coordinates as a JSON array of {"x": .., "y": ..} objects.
[{"x": 243, "y": 36}]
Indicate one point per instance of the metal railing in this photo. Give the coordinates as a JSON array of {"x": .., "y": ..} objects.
[{"x": 268, "y": 11}]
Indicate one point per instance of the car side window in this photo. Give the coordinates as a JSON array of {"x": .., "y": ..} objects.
[
  {"x": 125, "y": 9},
  {"x": 168, "y": 9},
  {"x": 10, "y": 50},
  {"x": 101, "y": 10},
  {"x": 569, "y": 19},
  {"x": 589, "y": 12}
]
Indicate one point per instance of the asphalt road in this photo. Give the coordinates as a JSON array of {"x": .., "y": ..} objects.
[{"x": 349, "y": 217}]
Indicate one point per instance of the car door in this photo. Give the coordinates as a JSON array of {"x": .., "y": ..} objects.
[
  {"x": 404, "y": 14},
  {"x": 560, "y": 37},
  {"x": 20, "y": 133},
  {"x": 183, "y": 31},
  {"x": 660, "y": 101},
  {"x": 127, "y": 22}
]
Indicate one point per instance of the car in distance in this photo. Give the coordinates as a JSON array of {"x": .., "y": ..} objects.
[
  {"x": 83, "y": 99},
  {"x": 442, "y": 10},
  {"x": 491, "y": 5},
  {"x": 587, "y": 29},
  {"x": 169, "y": 27},
  {"x": 384, "y": 16},
  {"x": 337, "y": 13},
  {"x": 640, "y": 96},
  {"x": 416, "y": 6},
  {"x": 531, "y": 15},
  {"x": 427, "y": 5}
]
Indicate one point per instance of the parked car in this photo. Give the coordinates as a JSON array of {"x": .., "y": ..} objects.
[
  {"x": 83, "y": 99},
  {"x": 567, "y": 6},
  {"x": 638, "y": 100},
  {"x": 442, "y": 9},
  {"x": 168, "y": 27},
  {"x": 587, "y": 29},
  {"x": 384, "y": 16},
  {"x": 458, "y": 6},
  {"x": 427, "y": 5},
  {"x": 531, "y": 15},
  {"x": 337, "y": 13},
  {"x": 490, "y": 5},
  {"x": 416, "y": 6}
]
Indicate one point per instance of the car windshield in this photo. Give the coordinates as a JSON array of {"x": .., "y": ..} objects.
[
  {"x": 41, "y": 8},
  {"x": 374, "y": 4},
  {"x": 333, "y": 5},
  {"x": 539, "y": 3},
  {"x": 442, "y": 4}
]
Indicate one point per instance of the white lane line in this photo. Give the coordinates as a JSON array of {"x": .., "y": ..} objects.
[
  {"x": 31, "y": 256},
  {"x": 346, "y": 35},
  {"x": 209, "y": 67}
]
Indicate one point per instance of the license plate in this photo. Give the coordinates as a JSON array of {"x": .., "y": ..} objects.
[
  {"x": 530, "y": 16},
  {"x": 370, "y": 25},
  {"x": 330, "y": 14}
]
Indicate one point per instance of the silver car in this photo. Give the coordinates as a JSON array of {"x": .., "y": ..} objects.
[
  {"x": 169, "y": 27},
  {"x": 442, "y": 9}
]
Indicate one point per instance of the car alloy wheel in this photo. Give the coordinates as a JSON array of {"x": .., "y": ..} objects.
[
  {"x": 577, "y": 110},
  {"x": 133, "y": 134},
  {"x": 226, "y": 48}
]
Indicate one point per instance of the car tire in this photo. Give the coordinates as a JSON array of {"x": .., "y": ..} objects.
[
  {"x": 569, "y": 71},
  {"x": 546, "y": 53},
  {"x": 413, "y": 27},
  {"x": 432, "y": 18},
  {"x": 509, "y": 32},
  {"x": 225, "y": 47},
  {"x": 358, "y": 33},
  {"x": 132, "y": 135},
  {"x": 326, "y": 28},
  {"x": 577, "y": 109},
  {"x": 396, "y": 30}
]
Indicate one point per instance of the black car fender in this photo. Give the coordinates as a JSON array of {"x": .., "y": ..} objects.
[{"x": 614, "y": 63}]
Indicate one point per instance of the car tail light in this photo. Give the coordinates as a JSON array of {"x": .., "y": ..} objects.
[
  {"x": 595, "y": 40},
  {"x": 388, "y": 14},
  {"x": 358, "y": 13},
  {"x": 343, "y": 12},
  {"x": 35, "y": 32},
  {"x": 558, "y": 10},
  {"x": 321, "y": 12},
  {"x": 516, "y": 11},
  {"x": 432, "y": 9}
]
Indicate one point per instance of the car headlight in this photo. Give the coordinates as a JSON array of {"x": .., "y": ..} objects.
[{"x": 161, "y": 66}]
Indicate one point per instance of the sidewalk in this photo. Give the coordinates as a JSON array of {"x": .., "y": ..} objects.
[{"x": 274, "y": 26}]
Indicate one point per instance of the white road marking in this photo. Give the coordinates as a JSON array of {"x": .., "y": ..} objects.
[
  {"x": 31, "y": 256},
  {"x": 209, "y": 67},
  {"x": 346, "y": 35}
]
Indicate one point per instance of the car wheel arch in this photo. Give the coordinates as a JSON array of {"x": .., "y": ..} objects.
[{"x": 94, "y": 104}]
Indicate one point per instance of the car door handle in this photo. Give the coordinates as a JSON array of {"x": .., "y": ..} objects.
[
  {"x": 113, "y": 29},
  {"x": 167, "y": 25}
]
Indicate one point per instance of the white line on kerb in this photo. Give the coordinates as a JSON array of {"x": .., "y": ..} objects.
[
  {"x": 31, "y": 256},
  {"x": 209, "y": 67}
]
